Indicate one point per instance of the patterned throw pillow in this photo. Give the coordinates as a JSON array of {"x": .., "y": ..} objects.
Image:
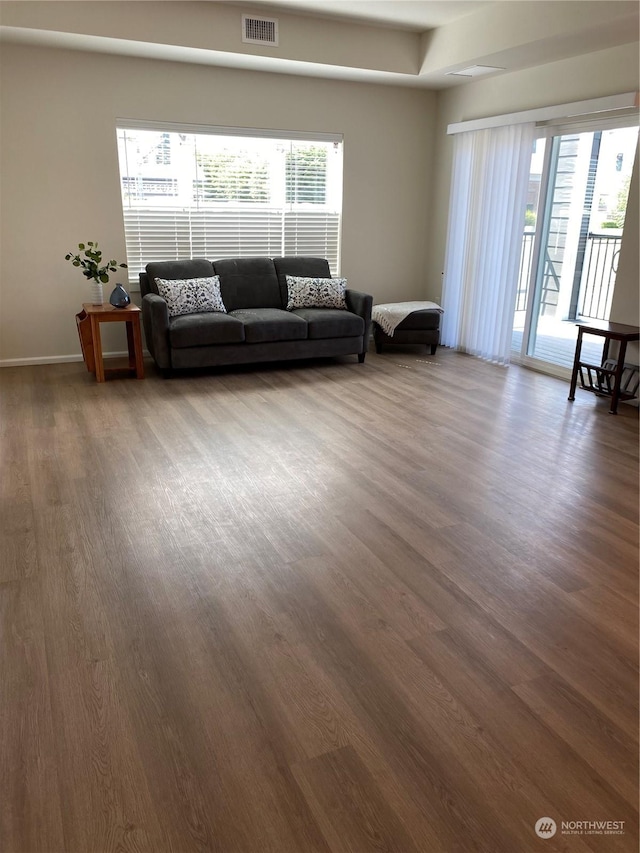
[
  {"x": 316, "y": 292},
  {"x": 191, "y": 295}
]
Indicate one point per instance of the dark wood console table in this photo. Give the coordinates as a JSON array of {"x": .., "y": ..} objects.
[{"x": 608, "y": 380}]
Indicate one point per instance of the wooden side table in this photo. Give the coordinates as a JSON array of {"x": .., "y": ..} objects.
[
  {"x": 88, "y": 322},
  {"x": 608, "y": 381}
]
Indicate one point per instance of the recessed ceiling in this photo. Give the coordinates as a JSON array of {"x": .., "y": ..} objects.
[
  {"x": 422, "y": 43},
  {"x": 418, "y": 15}
]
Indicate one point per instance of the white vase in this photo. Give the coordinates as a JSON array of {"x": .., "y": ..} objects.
[{"x": 97, "y": 296}]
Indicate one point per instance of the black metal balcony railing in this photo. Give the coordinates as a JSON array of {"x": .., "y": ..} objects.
[
  {"x": 599, "y": 275},
  {"x": 596, "y": 283},
  {"x": 524, "y": 273}
]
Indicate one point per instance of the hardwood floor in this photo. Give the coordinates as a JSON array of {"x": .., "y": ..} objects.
[{"x": 324, "y": 607}]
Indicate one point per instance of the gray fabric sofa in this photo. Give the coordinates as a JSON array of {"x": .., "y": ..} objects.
[{"x": 257, "y": 327}]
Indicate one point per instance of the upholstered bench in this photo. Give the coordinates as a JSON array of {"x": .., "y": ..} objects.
[{"x": 397, "y": 323}]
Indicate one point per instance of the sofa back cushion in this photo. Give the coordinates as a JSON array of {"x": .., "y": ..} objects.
[
  {"x": 299, "y": 266},
  {"x": 188, "y": 268},
  {"x": 248, "y": 283}
]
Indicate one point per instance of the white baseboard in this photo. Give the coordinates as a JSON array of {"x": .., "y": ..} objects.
[{"x": 58, "y": 359}]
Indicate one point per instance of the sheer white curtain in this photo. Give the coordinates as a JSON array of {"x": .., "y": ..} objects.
[{"x": 486, "y": 220}]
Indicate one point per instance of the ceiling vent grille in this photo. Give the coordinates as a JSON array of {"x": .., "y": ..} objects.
[
  {"x": 475, "y": 71},
  {"x": 260, "y": 30}
]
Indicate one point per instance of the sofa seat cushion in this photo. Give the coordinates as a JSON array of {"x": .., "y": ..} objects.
[
  {"x": 263, "y": 325},
  {"x": 200, "y": 330},
  {"x": 330, "y": 322}
]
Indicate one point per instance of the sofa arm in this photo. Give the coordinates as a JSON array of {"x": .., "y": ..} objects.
[
  {"x": 361, "y": 304},
  {"x": 155, "y": 319}
]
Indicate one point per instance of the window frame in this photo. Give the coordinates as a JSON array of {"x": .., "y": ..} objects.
[{"x": 278, "y": 226}]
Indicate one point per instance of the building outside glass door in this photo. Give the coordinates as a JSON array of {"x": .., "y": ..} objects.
[{"x": 578, "y": 190}]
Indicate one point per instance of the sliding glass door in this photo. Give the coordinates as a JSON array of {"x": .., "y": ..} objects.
[{"x": 578, "y": 189}]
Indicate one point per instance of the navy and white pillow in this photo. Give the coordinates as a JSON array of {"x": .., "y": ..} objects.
[
  {"x": 305, "y": 292},
  {"x": 191, "y": 295}
]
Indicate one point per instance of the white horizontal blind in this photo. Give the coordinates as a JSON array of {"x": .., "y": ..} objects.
[
  {"x": 215, "y": 195},
  {"x": 313, "y": 234}
]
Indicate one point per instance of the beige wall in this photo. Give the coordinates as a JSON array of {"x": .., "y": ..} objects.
[
  {"x": 60, "y": 176},
  {"x": 593, "y": 75},
  {"x": 60, "y": 180}
]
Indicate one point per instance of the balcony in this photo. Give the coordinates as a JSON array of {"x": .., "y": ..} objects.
[{"x": 587, "y": 296}]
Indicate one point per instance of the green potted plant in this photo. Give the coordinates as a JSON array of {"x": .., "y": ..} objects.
[{"x": 93, "y": 268}]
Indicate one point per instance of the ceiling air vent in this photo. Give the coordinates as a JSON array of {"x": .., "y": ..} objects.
[
  {"x": 260, "y": 30},
  {"x": 475, "y": 71}
]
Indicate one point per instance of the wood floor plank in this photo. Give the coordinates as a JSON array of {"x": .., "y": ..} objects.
[
  {"x": 430, "y": 774},
  {"x": 321, "y": 713},
  {"x": 30, "y": 802},
  {"x": 612, "y": 611},
  {"x": 316, "y": 607},
  {"x": 607, "y": 749},
  {"x": 453, "y": 730},
  {"x": 352, "y": 812},
  {"x": 17, "y": 541},
  {"x": 570, "y": 785},
  {"x": 17, "y": 537},
  {"x": 105, "y": 799},
  {"x": 549, "y": 626}
]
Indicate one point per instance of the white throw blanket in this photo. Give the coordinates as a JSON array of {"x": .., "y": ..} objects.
[{"x": 389, "y": 315}]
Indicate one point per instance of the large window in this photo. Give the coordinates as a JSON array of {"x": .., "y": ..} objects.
[{"x": 228, "y": 193}]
